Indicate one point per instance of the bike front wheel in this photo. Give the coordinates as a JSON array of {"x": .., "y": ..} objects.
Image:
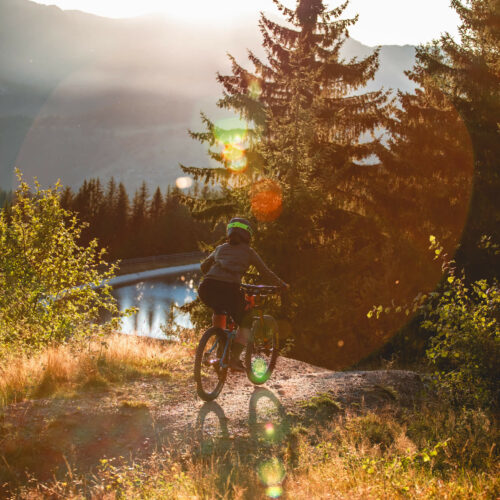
[
  {"x": 208, "y": 371},
  {"x": 262, "y": 349}
]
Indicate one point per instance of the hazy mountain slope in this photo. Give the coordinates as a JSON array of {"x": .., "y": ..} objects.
[{"x": 82, "y": 96}]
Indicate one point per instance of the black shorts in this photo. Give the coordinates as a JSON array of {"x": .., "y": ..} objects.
[{"x": 223, "y": 297}]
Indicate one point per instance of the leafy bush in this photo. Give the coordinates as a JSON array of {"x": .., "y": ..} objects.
[
  {"x": 51, "y": 288},
  {"x": 465, "y": 346},
  {"x": 463, "y": 321}
]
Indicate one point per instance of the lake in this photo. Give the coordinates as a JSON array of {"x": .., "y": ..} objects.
[{"x": 153, "y": 298}]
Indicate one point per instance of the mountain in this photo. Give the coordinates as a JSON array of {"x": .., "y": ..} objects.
[{"x": 84, "y": 96}]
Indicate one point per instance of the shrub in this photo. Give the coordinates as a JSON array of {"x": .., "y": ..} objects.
[
  {"x": 462, "y": 319},
  {"x": 51, "y": 288},
  {"x": 465, "y": 344}
]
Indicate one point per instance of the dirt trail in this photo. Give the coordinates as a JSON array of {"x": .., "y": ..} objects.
[{"x": 46, "y": 436}]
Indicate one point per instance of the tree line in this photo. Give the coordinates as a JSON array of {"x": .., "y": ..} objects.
[
  {"x": 347, "y": 186},
  {"x": 139, "y": 225}
]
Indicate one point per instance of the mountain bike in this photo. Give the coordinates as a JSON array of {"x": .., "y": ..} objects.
[{"x": 212, "y": 354}]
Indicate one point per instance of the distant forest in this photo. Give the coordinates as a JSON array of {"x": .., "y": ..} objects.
[
  {"x": 139, "y": 225},
  {"x": 5, "y": 197}
]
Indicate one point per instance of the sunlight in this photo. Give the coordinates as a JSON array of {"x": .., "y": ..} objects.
[
  {"x": 416, "y": 23},
  {"x": 189, "y": 10}
]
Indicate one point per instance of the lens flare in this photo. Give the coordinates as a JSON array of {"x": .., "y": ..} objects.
[
  {"x": 266, "y": 200},
  {"x": 259, "y": 368},
  {"x": 269, "y": 429},
  {"x": 232, "y": 136},
  {"x": 234, "y": 157},
  {"x": 272, "y": 472},
  {"x": 254, "y": 89},
  {"x": 274, "y": 491},
  {"x": 340, "y": 343},
  {"x": 184, "y": 182},
  {"x": 231, "y": 130}
]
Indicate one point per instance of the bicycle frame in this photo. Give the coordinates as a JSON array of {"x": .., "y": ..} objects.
[{"x": 221, "y": 321}]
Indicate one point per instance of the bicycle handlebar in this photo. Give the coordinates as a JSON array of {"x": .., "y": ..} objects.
[{"x": 261, "y": 289}]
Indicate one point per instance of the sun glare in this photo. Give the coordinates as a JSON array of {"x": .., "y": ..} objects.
[
  {"x": 195, "y": 10},
  {"x": 382, "y": 22}
]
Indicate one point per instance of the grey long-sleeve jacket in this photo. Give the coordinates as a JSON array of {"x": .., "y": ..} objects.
[{"x": 230, "y": 262}]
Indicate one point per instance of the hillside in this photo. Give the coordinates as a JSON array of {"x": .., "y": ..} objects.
[
  {"x": 84, "y": 96},
  {"x": 129, "y": 425}
]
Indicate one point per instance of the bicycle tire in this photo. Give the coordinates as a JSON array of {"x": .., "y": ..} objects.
[
  {"x": 253, "y": 356},
  {"x": 266, "y": 430},
  {"x": 213, "y": 441},
  {"x": 208, "y": 374}
]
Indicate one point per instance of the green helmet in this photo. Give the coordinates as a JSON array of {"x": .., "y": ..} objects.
[{"x": 241, "y": 227}]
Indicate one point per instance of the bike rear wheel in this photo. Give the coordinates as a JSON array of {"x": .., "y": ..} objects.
[
  {"x": 262, "y": 349},
  {"x": 208, "y": 373}
]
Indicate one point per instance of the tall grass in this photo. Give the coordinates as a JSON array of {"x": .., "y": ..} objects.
[
  {"x": 428, "y": 452},
  {"x": 95, "y": 363}
]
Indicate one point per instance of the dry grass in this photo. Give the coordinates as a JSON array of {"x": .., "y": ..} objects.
[
  {"x": 94, "y": 364},
  {"x": 374, "y": 455}
]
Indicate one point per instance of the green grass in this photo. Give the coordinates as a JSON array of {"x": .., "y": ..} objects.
[{"x": 321, "y": 402}]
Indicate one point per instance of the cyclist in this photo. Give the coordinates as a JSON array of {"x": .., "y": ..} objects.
[{"x": 220, "y": 288}]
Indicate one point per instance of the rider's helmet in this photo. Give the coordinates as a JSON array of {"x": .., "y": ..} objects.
[{"x": 240, "y": 227}]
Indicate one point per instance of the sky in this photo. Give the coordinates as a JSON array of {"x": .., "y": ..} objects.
[{"x": 381, "y": 22}]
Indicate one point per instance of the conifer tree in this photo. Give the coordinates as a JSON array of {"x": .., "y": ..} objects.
[
  {"x": 155, "y": 230},
  {"x": 468, "y": 72},
  {"x": 425, "y": 184},
  {"x": 108, "y": 237},
  {"x": 299, "y": 168},
  {"x": 121, "y": 220},
  {"x": 138, "y": 222},
  {"x": 156, "y": 206},
  {"x": 67, "y": 198}
]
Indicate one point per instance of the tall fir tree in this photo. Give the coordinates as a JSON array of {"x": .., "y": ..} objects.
[
  {"x": 155, "y": 236},
  {"x": 108, "y": 222},
  {"x": 121, "y": 217},
  {"x": 425, "y": 185},
  {"x": 468, "y": 72},
  {"x": 300, "y": 171}
]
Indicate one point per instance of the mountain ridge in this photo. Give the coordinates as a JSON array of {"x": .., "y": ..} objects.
[{"x": 83, "y": 95}]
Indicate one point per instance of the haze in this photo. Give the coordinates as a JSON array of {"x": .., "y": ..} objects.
[{"x": 388, "y": 22}]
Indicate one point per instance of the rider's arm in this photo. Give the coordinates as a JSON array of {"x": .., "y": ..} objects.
[
  {"x": 207, "y": 263},
  {"x": 264, "y": 271}
]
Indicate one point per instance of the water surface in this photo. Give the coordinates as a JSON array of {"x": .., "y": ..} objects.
[{"x": 153, "y": 297}]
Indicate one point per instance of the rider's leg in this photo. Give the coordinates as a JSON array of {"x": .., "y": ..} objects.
[
  {"x": 242, "y": 335},
  {"x": 240, "y": 341},
  {"x": 242, "y": 319}
]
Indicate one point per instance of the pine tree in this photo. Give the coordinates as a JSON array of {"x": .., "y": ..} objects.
[
  {"x": 67, "y": 198},
  {"x": 139, "y": 220},
  {"x": 298, "y": 168},
  {"x": 425, "y": 185},
  {"x": 122, "y": 226},
  {"x": 156, "y": 205},
  {"x": 108, "y": 236},
  {"x": 155, "y": 230},
  {"x": 468, "y": 72}
]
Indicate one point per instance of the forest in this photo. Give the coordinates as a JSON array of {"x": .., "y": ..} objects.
[
  {"x": 380, "y": 210},
  {"x": 138, "y": 226},
  {"x": 347, "y": 187}
]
